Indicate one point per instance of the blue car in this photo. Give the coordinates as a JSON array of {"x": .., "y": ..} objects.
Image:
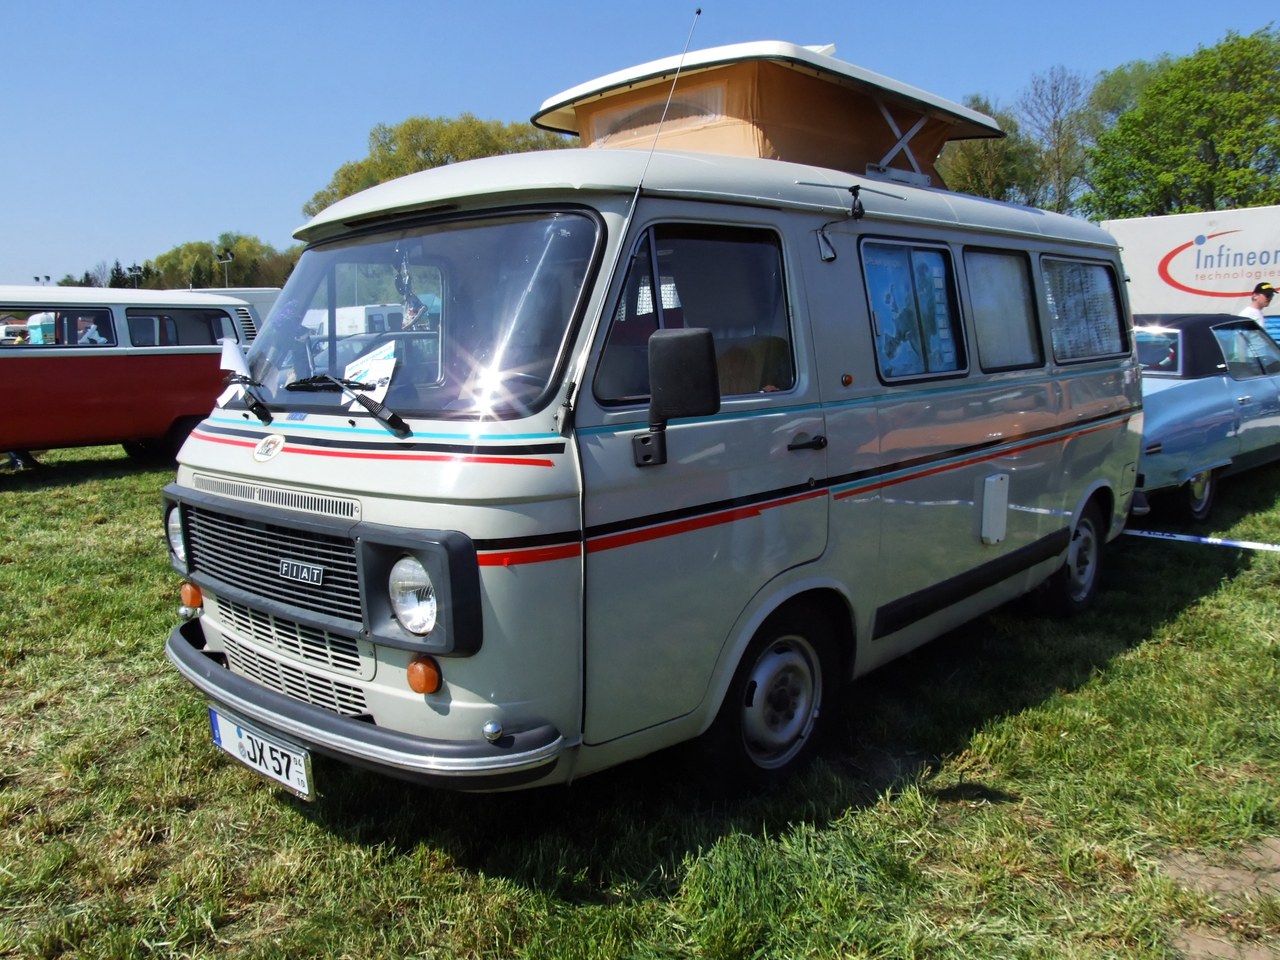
[{"x": 1211, "y": 402}]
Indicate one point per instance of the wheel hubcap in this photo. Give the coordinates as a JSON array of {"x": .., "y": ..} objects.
[
  {"x": 783, "y": 695},
  {"x": 1081, "y": 560},
  {"x": 1199, "y": 487}
]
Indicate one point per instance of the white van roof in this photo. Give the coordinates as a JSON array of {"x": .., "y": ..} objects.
[
  {"x": 515, "y": 178},
  {"x": 111, "y": 296}
]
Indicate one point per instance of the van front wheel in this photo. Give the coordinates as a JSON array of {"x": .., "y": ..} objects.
[{"x": 774, "y": 710}]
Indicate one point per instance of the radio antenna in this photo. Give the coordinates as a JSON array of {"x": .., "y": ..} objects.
[
  {"x": 579, "y": 371},
  {"x": 670, "y": 96}
]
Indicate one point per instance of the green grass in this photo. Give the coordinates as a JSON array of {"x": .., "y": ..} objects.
[{"x": 1012, "y": 790}]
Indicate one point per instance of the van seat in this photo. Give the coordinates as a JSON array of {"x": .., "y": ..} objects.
[{"x": 752, "y": 364}]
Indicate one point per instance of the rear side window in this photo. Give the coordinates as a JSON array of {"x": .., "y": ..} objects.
[
  {"x": 178, "y": 327},
  {"x": 911, "y": 289},
  {"x": 726, "y": 279},
  {"x": 61, "y": 326},
  {"x": 1004, "y": 310},
  {"x": 1248, "y": 351},
  {"x": 1084, "y": 310}
]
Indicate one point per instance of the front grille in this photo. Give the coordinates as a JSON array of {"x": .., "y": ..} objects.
[
  {"x": 319, "y": 647},
  {"x": 345, "y": 508},
  {"x": 247, "y": 554},
  {"x": 293, "y": 681}
]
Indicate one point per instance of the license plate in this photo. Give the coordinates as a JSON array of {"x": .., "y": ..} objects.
[{"x": 286, "y": 765}]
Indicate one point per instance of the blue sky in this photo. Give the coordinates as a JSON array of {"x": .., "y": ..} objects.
[{"x": 131, "y": 127}]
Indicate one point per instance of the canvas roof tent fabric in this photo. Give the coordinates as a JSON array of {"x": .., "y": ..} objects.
[{"x": 768, "y": 99}]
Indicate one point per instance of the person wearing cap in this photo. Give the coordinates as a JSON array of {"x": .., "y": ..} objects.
[{"x": 1259, "y": 301}]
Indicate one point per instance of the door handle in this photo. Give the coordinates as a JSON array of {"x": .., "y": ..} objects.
[
  {"x": 1243, "y": 400},
  {"x": 816, "y": 442}
]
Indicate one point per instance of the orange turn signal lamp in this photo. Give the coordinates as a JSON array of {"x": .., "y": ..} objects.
[
  {"x": 192, "y": 601},
  {"x": 424, "y": 675}
]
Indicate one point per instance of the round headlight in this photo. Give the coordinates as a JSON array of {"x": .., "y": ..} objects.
[
  {"x": 413, "y": 596},
  {"x": 173, "y": 530}
]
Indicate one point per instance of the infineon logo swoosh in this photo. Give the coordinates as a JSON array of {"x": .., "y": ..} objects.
[{"x": 1223, "y": 262}]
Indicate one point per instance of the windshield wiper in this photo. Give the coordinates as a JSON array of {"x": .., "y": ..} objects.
[
  {"x": 251, "y": 399},
  {"x": 323, "y": 381}
]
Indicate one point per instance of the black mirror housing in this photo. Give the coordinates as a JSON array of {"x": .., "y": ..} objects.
[
  {"x": 683, "y": 377},
  {"x": 684, "y": 381}
]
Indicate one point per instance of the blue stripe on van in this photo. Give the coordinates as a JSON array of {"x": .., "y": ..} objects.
[
  {"x": 297, "y": 426},
  {"x": 399, "y": 446}
]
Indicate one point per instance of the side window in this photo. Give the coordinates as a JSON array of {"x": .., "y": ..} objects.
[
  {"x": 19, "y": 326},
  {"x": 90, "y": 328},
  {"x": 1159, "y": 351},
  {"x": 1084, "y": 310},
  {"x": 1004, "y": 310},
  {"x": 144, "y": 331},
  {"x": 1247, "y": 351},
  {"x": 911, "y": 290},
  {"x": 726, "y": 279},
  {"x": 178, "y": 327},
  {"x": 60, "y": 326}
]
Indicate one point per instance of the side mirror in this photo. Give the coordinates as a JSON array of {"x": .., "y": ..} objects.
[{"x": 683, "y": 382}]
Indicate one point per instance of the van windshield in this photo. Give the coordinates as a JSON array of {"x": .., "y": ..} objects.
[{"x": 460, "y": 320}]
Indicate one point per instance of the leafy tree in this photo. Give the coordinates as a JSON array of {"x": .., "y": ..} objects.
[
  {"x": 87, "y": 279},
  {"x": 1001, "y": 169},
  {"x": 187, "y": 265},
  {"x": 421, "y": 143},
  {"x": 1116, "y": 91},
  {"x": 1202, "y": 135},
  {"x": 253, "y": 264}
]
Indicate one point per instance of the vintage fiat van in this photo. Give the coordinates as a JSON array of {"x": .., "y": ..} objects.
[
  {"x": 677, "y": 433},
  {"x": 103, "y": 365}
]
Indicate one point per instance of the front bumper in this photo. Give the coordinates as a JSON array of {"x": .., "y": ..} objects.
[{"x": 518, "y": 759}]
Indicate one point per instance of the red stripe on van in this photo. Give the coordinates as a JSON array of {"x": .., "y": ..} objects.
[
  {"x": 368, "y": 455},
  {"x": 510, "y": 558},
  {"x": 678, "y": 527},
  {"x": 969, "y": 461}
]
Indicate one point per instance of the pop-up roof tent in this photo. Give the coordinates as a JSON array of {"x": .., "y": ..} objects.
[{"x": 769, "y": 99}]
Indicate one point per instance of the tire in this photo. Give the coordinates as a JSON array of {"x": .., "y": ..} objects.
[
  {"x": 778, "y": 702},
  {"x": 147, "y": 452},
  {"x": 1074, "y": 587},
  {"x": 1199, "y": 493}
]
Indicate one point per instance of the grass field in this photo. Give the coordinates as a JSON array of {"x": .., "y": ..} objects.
[{"x": 1021, "y": 788}]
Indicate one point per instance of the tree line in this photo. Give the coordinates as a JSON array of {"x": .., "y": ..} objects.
[{"x": 1171, "y": 135}]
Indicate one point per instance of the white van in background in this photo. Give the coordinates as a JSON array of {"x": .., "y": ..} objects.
[
  {"x": 261, "y": 299},
  {"x": 692, "y": 438}
]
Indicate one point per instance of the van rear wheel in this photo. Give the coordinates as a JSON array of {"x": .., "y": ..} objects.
[
  {"x": 1075, "y": 585},
  {"x": 776, "y": 705}
]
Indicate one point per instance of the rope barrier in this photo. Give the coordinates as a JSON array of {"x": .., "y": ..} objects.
[{"x": 1213, "y": 541}]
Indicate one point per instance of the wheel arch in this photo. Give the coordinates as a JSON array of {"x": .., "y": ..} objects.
[
  {"x": 827, "y": 598},
  {"x": 1104, "y": 495}
]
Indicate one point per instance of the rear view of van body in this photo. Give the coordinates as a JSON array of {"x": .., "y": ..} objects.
[
  {"x": 683, "y": 442},
  {"x": 99, "y": 366}
]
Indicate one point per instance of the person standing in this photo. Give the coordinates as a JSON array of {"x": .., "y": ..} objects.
[{"x": 1259, "y": 301}]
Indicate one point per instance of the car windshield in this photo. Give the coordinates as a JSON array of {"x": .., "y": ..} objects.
[{"x": 466, "y": 319}]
